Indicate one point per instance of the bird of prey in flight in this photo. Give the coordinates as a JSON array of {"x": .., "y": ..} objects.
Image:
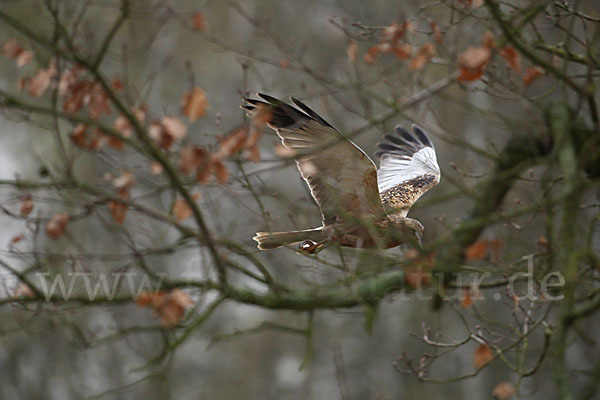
[{"x": 361, "y": 206}]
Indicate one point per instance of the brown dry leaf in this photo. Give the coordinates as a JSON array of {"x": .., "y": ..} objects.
[
  {"x": 232, "y": 144},
  {"x": 416, "y": 279},
  {"x": 78, "y": 136},
  {"x": 181, "y": 210},
  {"x": 118, "y": 210},
  {"x": 543, "y": 241},
  {"x": 41, "y": 81},
  {"x": 423, "y": 56},
  {"x": 472, "y": 63},
  {"x": 204, "y": 172},
  {"x": 174, "y": 127},
  {"x": 170, "y": 307},
  {"x": 122, "y": 126},
  {"x": 252, "y": 145},
  {"x": 155, "y": 168},
  {"x": 98, "y": 102},
  {"x": 76, "y": 94},
  {"x": 503, "y": 391},
  {"x": 16, "y": 239},
  {"x": 191, "y": 158},
  {"x": 116, "y": 84},
  {"x": 371, "y": 55},
  {"x": 437, "y": 33},
  {"x": 483, "y": 355},
  {"x": 67, "y": 80},
  {"x": 284, "y": 63},
  {"x": 24, "y": 58},
  {"x": 181, "y": 298},
  {"x": 124, "y": 181},
  {"x": 140, "y": 113},
  {"x": 262, "y": 115},
  {"x": 477, "y": 3},
  {"x": 531, "y": 74},
  {"x": 23, "y": 290},
  {"x": 466, "y": 300},
  {"x": 474, "y": 58},
  {"x": 351, "y": 51},
  {"x": 488, "y": 40},
  {"x": 512, "y": 57},
  {"x": 221, "y": 172},
  {"x": 11, "y": 48},
  {"x": 477, "y": 250},
  {"x": 55, "y": 228},
  {"x": 26, "y": 206},
  {"x": 494, "y": 247},
  {"x": 194, "y": 104},
  {"x": 198, "y": 21},
  {"x": 402, "y": 51}
]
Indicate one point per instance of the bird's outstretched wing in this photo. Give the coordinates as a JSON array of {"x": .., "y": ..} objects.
[
  {"x": 407, "y": 168},
  {"x": 341, "y": 177}
]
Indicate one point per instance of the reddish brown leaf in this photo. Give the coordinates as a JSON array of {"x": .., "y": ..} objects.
[
  {"x": 174, "y": 127},
  {"x": 26, "y": 206},
  {"x": 466, "y": 300},
  {"x": 170, "y": 307},
  {"x": 194, "y": 104},
  {"x": 437, "y": 33},
  {"x": 402, "y": 51},
  {"x": 371, "y": 55},
  {"x": 155, "y": 168},
  {"x": 181, "y": 210},
  {"x": 503, "y": 391},
  {"x": 512, "y": 57},
  {"x": 416, "y": 279},
  {"x": 118, "y": 211},
  {"x": 76, "y": 94},
  {"x": 477, "y": 250},
  {"x": 78, "y": 136},
  {"x": 284, "y": 63},
  {"x": 472, "y": 63},
  {"x": 483, "y": 355},
  {"x": 488, "y": 40},
  {"x": 55, "y": 228},
  {"x": 16, "y": 239},
  {"x": 116, "y": 84},
  {"x": 124, "y": 181},
  {"x": 198, "y": 21},
  {"x": 11, "y": 48},
  {"x": 24, "y": 58},
  {"x": 192, "y": 157},
  {"x": 252, "y": 145},
  {"x": 23, "y": 290},
  {"x": 122, "y": 126},
  {"x": 232, "y": 143},
  {"x": 351, "y": 51},
  {"x": 40, "y": 82},
  {"x": 423, "y": 56},
  {"x": 221, "y": 172},
  {"x": 98, "y": 102},
  {"x": 531, "y": 74}
]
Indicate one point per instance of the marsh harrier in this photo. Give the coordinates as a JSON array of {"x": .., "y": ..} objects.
[{"x": 361, "y": 206}]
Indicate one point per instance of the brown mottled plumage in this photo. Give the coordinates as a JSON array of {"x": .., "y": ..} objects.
[{"x": 360, "y": 205}]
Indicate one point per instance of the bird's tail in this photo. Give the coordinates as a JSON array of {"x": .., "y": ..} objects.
[{"x": 273, "y": 240}]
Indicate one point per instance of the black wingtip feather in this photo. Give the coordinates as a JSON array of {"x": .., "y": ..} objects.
[
  {"x": 403, "y": 142},
  {"x": 284, "y": 115}
]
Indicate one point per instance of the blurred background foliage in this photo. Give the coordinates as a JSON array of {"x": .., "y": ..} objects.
[{"x": 332, "y": 55}]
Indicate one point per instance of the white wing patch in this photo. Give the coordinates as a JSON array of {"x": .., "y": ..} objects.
[
  {"x": 395, "y": 170},
  {"x": 408, "y": 168}
]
